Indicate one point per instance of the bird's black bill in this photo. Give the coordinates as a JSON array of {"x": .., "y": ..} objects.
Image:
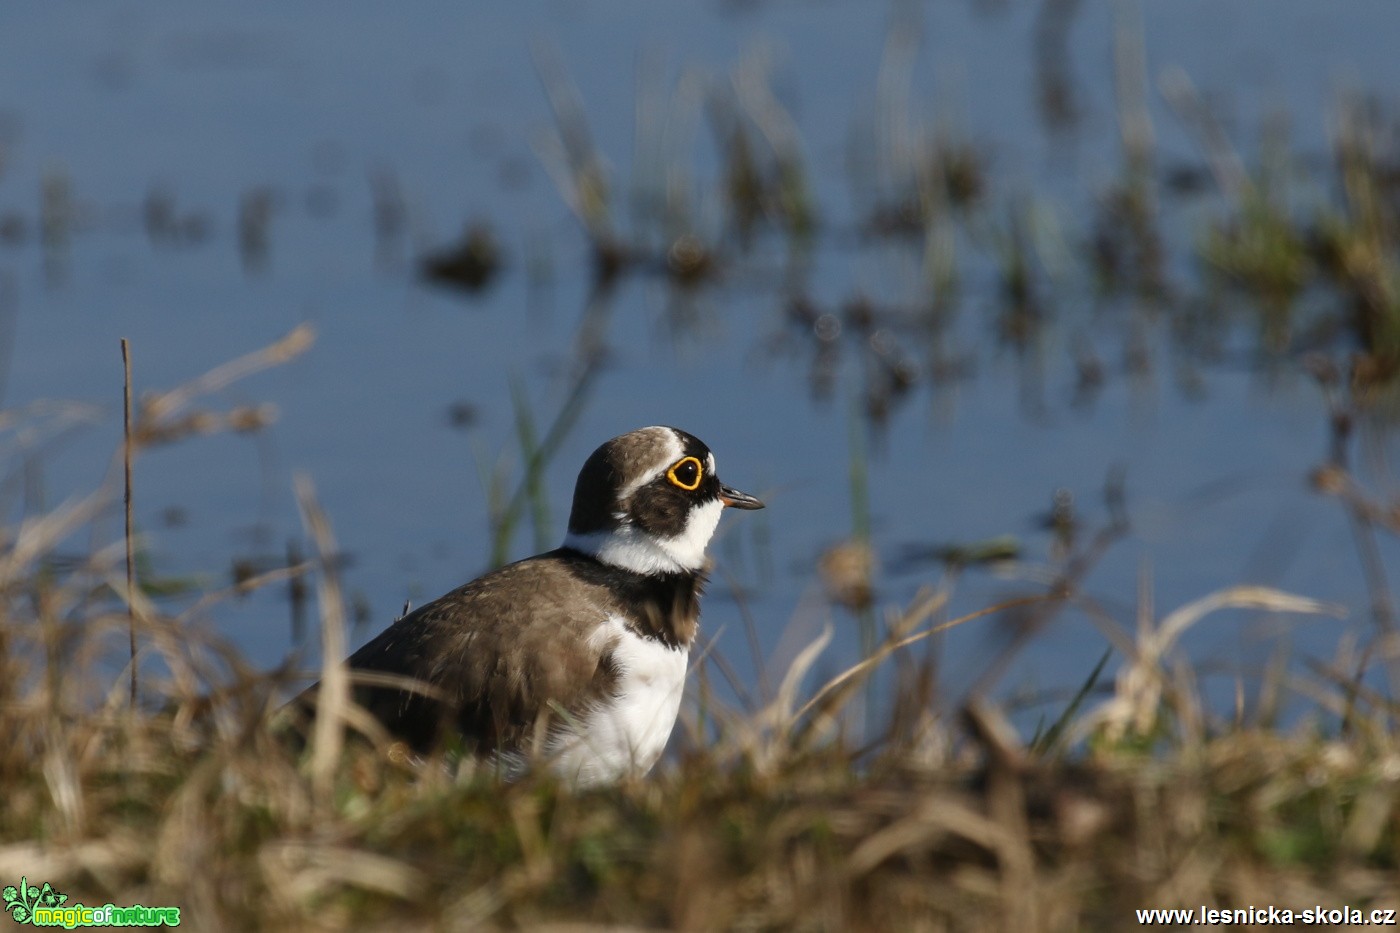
[{"x": 738, "y": 500}]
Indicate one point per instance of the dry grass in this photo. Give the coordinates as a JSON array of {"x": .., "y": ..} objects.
[
  {"x": 196, "y": 804},
  {"x": 767, "y": 819}
]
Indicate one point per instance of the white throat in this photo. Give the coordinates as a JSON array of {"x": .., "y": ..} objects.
[{"x": 630, "y": 548}]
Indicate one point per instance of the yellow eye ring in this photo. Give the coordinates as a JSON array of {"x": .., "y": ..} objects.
[{"x": 679, "y": 465}]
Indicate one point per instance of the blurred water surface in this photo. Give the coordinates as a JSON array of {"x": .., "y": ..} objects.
[{"x": 213, "y": 175}]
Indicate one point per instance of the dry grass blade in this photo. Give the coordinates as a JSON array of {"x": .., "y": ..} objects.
[
  {"x": 333, "y": 696},
  {"x": 167, "y": 637},
  {"x": 933, "y": 818},
  {"x": 117, "y": 852},
  {"x": 784, "y": 702},
  {"x": 38, "y": 537},
  {"x": 130, "y": 544},
  {"x": 1238, "y": 597},
  {"x": 245, "y": 586},
  {"x": 1137, "y": 698},
  {"x": 166, "y": 404},
  {"x": 835, "y": 691},
  {"x": 308, "y": 870}
]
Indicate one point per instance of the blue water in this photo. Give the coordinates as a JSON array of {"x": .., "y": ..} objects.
[{"x": 311, "y": 101}]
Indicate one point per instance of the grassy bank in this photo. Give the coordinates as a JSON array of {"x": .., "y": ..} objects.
[{"x": 949, "y": 821}]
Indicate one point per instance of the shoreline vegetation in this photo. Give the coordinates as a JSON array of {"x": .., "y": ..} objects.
[
  {"x": 810, "y": 807},
  {"x": 1138, "y": 796}
]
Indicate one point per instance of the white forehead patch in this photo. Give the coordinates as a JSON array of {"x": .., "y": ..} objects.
[{"x": 672, "y": 451}]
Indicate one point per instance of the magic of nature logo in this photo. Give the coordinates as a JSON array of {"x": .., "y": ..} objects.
[{"x": 46, "y": 907}]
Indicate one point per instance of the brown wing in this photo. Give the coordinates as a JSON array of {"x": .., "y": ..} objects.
[{"x": 499, "y": 654}]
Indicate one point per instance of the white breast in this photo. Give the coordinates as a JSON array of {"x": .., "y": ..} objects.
[{"x": 629, "y": 732}]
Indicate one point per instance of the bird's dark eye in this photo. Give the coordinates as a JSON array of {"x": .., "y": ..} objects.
[{"x": 686, "y": 473}]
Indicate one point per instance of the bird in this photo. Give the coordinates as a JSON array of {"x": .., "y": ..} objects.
[{"x": 576, "y": 657}]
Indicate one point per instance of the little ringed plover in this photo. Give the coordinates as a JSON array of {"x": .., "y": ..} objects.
[{"x": 578, "y": 656}]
